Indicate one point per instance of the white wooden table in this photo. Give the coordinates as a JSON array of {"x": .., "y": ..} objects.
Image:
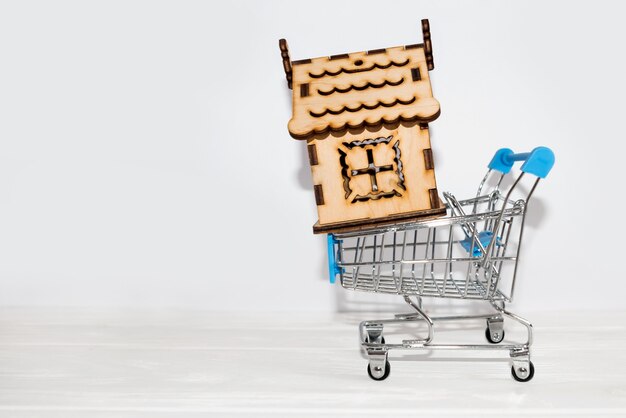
[{"x": 86, "y": 363}]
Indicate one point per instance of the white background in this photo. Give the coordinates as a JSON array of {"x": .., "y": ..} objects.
[{"x": 145, "y": 159}]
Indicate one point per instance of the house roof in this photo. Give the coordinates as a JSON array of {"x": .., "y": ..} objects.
[{"x": 362, "y": 88}]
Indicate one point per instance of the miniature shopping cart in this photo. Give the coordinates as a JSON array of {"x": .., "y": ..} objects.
[{"x": 470, "y": 254}]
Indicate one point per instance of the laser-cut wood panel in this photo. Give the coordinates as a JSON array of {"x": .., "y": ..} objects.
[
  {"x": 361, "y": 89},
  {"x": 370, "y": 176},
  {"x": 365, "y": 118}
]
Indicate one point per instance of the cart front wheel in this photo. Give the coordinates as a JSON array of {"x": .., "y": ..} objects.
[
  {"x": 494, "y": 337},
  {"x": 522, "y": 374},
  {"x": 376, "y": 374}
]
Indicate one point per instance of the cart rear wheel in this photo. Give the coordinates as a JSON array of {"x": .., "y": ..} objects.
[
  {"x": 384, "y": 376},
  {"x": 494, "y": 337},
  {"x": 521, "y": 374}
]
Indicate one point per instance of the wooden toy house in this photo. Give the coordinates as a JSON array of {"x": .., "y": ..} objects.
[{"x": 365, "y": 116}]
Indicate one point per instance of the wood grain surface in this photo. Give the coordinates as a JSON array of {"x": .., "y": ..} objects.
[
  {"x": 369, "y": 177},
  {"x": 361, "y": 89}
]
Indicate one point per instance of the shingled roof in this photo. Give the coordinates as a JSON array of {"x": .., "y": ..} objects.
[{"x": 361, "y": 88}]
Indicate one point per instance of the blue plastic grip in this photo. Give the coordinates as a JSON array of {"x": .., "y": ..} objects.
[
  {"x": 538, "y": 162},
  {"x": 333, "y": 268},
  {"x": 500, "y": 162}
]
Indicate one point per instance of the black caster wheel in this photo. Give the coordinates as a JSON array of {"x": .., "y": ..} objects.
[
  {"x": 523, "y": 375},
  {"x": 384, "y": 376},
  {"x": 494, "y": 338},
  {"x": 382, "y": 340}
]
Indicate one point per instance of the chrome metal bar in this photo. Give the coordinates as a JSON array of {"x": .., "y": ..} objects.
[
  {"x": 502, "y": 249},
  {"x": 355, "y": 269},
  {"x": 414, "y": 255},
  {"x": 521, "y": 233},
  {"x": 425, "y": 261},
  {"x": 380, "y": 259},
  {"x": 470, "y": 232},
  {"x": 374, "y": 257},
  {"x": 432, "y": 256},
  {"x": 414, "y": 316},
  {"x": 448, "y": 267},
  {"x": 393, "y": 258},
  {"x": 496, "y": 227},
  {"x": 409, "y": 244},
  {"x": 425, "y": 317},
  {"x": 480, "y": 189},
  {"x": 430, "y": 223},
  {"x": 402, "y": 264},
  {"x": 494, "y": 197},
  {"x": 526, "y": 323},
  {"x": 468, "y": 275},
  {"x": 484, "y": 347}
]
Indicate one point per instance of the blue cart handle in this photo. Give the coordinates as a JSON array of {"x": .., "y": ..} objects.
[
  {"x": 538, "y": 162},
  {"x": 333, "y": 268}
]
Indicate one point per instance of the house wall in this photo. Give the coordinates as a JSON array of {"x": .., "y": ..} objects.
[{"x": 349, "y": 197}]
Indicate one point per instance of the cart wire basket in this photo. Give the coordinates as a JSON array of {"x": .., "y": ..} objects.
[{"x": 471, "y": 254}]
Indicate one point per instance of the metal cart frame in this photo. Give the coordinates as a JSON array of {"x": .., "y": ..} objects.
[{"x": 476, "y": 259}]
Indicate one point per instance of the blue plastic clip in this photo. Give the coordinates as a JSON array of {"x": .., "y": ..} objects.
[
  {"x": 484, "y": 237},
  {"x": 333, "y": 268}
]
